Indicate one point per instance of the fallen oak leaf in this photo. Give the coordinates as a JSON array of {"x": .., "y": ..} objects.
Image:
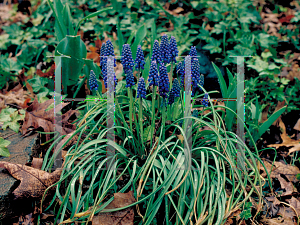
[
  {"x": 287, "y": 141},
  {"x": 34, "y": 182},
  {"x": 36, "y": 116}
]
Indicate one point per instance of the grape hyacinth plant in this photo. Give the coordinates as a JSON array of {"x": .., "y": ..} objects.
[
  {"x": 140, "y": 59},
  {"x": 163, "y": 81},
  {"x": 171, "y": 98},
  {"x": 93, "y": 81},
  {"x": 129, "y": 79},
  {"x": 126, "y": 58},
  {"x": 195, "y": 76},
  {"x": 151, "y": 151},
  {"x": 205, "y": 100},
  {"x": 153, "y": 74},
  {"x": 164, "y": 49},
  {"x": 173, "y": 49},
  {"x": 156, "y": 52},
  {"x": 176, "y": 88},
  {"x": 141, "y": 90},
  {"x": 109, "y": 50}
]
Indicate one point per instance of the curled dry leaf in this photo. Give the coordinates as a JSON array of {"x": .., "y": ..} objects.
[
  {"x": 280, "y": 170},
  {"x": 34, "y": 182},
  {"x": 287, "y": 141},
  {"x": 36, "y": 116},
  {"x": 122, "y": 217}
]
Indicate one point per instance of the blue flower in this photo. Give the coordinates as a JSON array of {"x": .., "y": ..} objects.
[
  {"x": 108, "y": 81},
  {"x": 129, "y": 79},
  {"x": 205, "y": 100},
  {"x": 195, "y": 113},
  {"x": 193, "y": 51},
  {"x": 171, "y": 98},
  {"x": 141, "y": 90},
  {"x": 195, "y": 75},
  {"x": 176, "y": 88},
  {"x": 109, "y": 50},
  {"x": 153, "y": 74},
  {"x": 173, "y": 48},
  {"x": 165, "y": 49},
  {"x": 155, "y": 52},
  {"x": 163, "y": 81},
  {"x": 126, "y": 58},
  {"x": 102, "y": 53},
  {"x": 93, "y": 81},
  {"x": 140, "y": 59}
]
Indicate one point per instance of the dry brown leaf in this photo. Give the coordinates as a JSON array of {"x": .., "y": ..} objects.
[
  {"x": 36, "y": 117},
  {"x": 295, "y": 203},
  {"x": 50, "y": 72},
  {"x": 15, "y": 96},
  {"x": 122, "y": 217},
  {"x": 33, "y": 181},
  {"x": 287, "y": 141},
  {"x": 275, "y": 221},
  {"x": 37, "y": 163},
  {"x": 297, "y": 125},
  {"x": 279, "y": 169}
]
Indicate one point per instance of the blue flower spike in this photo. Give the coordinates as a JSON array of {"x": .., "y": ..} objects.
[
  {"x": 156, "y": 52},
  {"x": 102, "y": 53},
  {"x": 141, "y": 90},
  {"x": 173, "y": 48},
  {"x": 109, "y": 50},
  {"x": 129, "y": 79},
  {"x": 126, "y": 58},
  {"x": 93, "y": 81},
  {"x": 176, "y": 88},
  {"x": 165, "y": 49},
  {"x": 140, "y": 59},
  {"x": 171, "y": 98},
  {"x": 163, "y": 81},
  {"x": 110, "y": 72},
  {"x": 205, "y": 100},
  {"x": 195, "y": 76},
  {"x": 153, "y": 74}
]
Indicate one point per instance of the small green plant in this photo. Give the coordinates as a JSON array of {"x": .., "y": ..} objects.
[
  {"x": 10, "y": 117},
  {"x": 3, "y": 147},
  {"x": 246, "y": 213}
]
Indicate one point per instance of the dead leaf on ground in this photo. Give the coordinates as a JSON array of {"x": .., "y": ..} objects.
[
  {"x": 33, "y": 181},
  {"x": 36, "y": 116},
  {"x": 287, "y": 141},
  {"x": 279, "y": 169},
  {"x": 49, "y": 73},
  {"x": 15, "y": 96},
  {"x": 37, "y": 163},
  {"x": 122, "y": 217},
  {"x": 297, "y": 125}
]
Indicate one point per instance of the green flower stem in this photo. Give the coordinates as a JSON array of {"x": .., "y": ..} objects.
[
  {"x": 141, "y": 120},
  {"x": 163, "y": 118},
  {"x": 130, "y": 107},
  {"x": 153, "y": 113},
  {"x": 175, "y": 109}
]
